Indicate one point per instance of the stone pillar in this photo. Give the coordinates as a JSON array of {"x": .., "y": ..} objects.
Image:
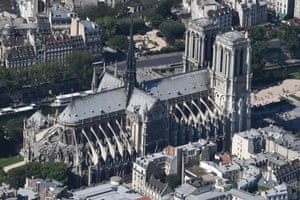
[
  {"x": 187, "y": 38},
  {"x": 214, "y": 57}
]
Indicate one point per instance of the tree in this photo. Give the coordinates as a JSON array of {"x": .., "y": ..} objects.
[
  {"x": 16, "y": 177},
  {"x": 2, "y": 176},
  {"x": 108, "y": 25},
  {"x": 118, "y": 42},
  {"x": 94, "y": 13},
  {"x": 121, "y": 10},
  {"x": 257, "y": 33},
  {"x": 164, "y": 8},
  {"x": 49, "y": 170},
  {"x": 123, "y": 26},
  {"x": 172, "y": 30},
  {"x": 155, "y": 19},
  {"x": 14, "y": 129},
  {"x": 173, "y": 180},
  {"x": 79, "y": 67}
]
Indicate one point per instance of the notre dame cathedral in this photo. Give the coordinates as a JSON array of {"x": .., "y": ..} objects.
[{"x": 99, "y": 135}]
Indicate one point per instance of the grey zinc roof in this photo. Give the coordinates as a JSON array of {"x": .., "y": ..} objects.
[
  {"x": 109, "y": 82},
  {"x": 94, "y": 105},
  {"x": 38, "y": 119},
  {"x": 139, "y": 101},
  {"x": 207, "y": 196},
  {"x": 27, "y": 193},
  {"x": 233, "y": 36},
  {"x": 106, "y": 192},
  {"x": 202, "y": 22},
  {"x": 89, "y": 25},
  {"x": 61, "y": 11},
  {"x": 185, "y": 189},
  {"x": 179, "y": 85},
  {"x": 244, "y": 195}
]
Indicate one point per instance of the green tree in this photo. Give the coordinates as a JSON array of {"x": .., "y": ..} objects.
[
  {"x": 173, "y": 180},
  {"x": 118, "y": 42},
  {"x": 121, "y": 10},
  {"x": 95, "y": 12},
  {"x": 2, "y": 176},
  {"x": 49, "y": 170},
  {"x": 108, "y": 25},
  {"x": 257, "y": 33},
  {"x": 155, "y": 19},
  {"x": 78, "y": 68},
  {"x": 164, "y": 8},
  {"x": 123, "y": 26},
  {"x": 16, "y": 177},
  {"x": 13, "y": 129},
  {"x": 172, "y": 30}
]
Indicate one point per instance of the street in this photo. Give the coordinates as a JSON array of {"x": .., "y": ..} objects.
[{"x": 155, "y": 60}]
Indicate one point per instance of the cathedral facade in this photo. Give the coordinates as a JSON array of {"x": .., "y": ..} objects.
[{"x": 99, "y": 135}]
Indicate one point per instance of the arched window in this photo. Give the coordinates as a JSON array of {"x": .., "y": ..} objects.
[
  {"x": 236, "y": 59},
  {"x": 221, "y": 59},
  {"x": 241, "y": 62}
]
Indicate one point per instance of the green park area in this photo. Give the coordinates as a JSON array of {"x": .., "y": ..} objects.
[{"x": 10, "y": 160}]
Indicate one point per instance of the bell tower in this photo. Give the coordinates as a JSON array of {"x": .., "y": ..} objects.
[
  {"x": 231, "y": 82},
  {"x": 199, "y": 39}
]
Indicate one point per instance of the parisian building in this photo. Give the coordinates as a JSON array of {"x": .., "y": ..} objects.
[{"x": 250, "y": 12}]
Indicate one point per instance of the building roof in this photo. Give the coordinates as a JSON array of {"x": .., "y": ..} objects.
[
  {"x": 185, "y": 189},
  {"x": 106, "y": 192},
  {"x": 160, "y": 186},
  {"x": 178, "y": 85},
  {"x": 109, "y": 82},
  {"x": 207, "y": 195},
  {"x": 61, "y": 12},
  {"x": 140, "y": 101},
  {"x": 27, "y": 193},
  {"x": 250, "y": 134},
  {"x": 144, "y": 161},
  {"x": 204, "y": 22},
  {"x": 38, "y": 119},
  {"x": 277, "y": 190},
  {"x": 233, "y": 36},
  {"x": 90, "y": 26},
  {"x": 244, "y": 195},
  {"x": 94, "y": 105}
]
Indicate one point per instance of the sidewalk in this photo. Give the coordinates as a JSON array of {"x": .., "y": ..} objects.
[{"x": 12, "y": 166}]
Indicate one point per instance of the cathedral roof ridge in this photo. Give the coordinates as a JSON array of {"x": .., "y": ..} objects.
[
  {"x": 95, "y": 105},
  {"x": 178, "y": 85},
  {"x": 109, "y": 82},
  {"x": 140, "y": 101}
]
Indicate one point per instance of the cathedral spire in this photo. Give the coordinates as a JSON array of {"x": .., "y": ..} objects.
[{"x": 130, "y": 74}]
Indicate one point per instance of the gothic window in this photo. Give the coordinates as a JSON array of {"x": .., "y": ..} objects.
[
  {"x": 221, "y": 60},
  {"x": 193, "y": 49},
  {"x": 236, "y": 62},
  {"x": 241, "y": 62}
]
